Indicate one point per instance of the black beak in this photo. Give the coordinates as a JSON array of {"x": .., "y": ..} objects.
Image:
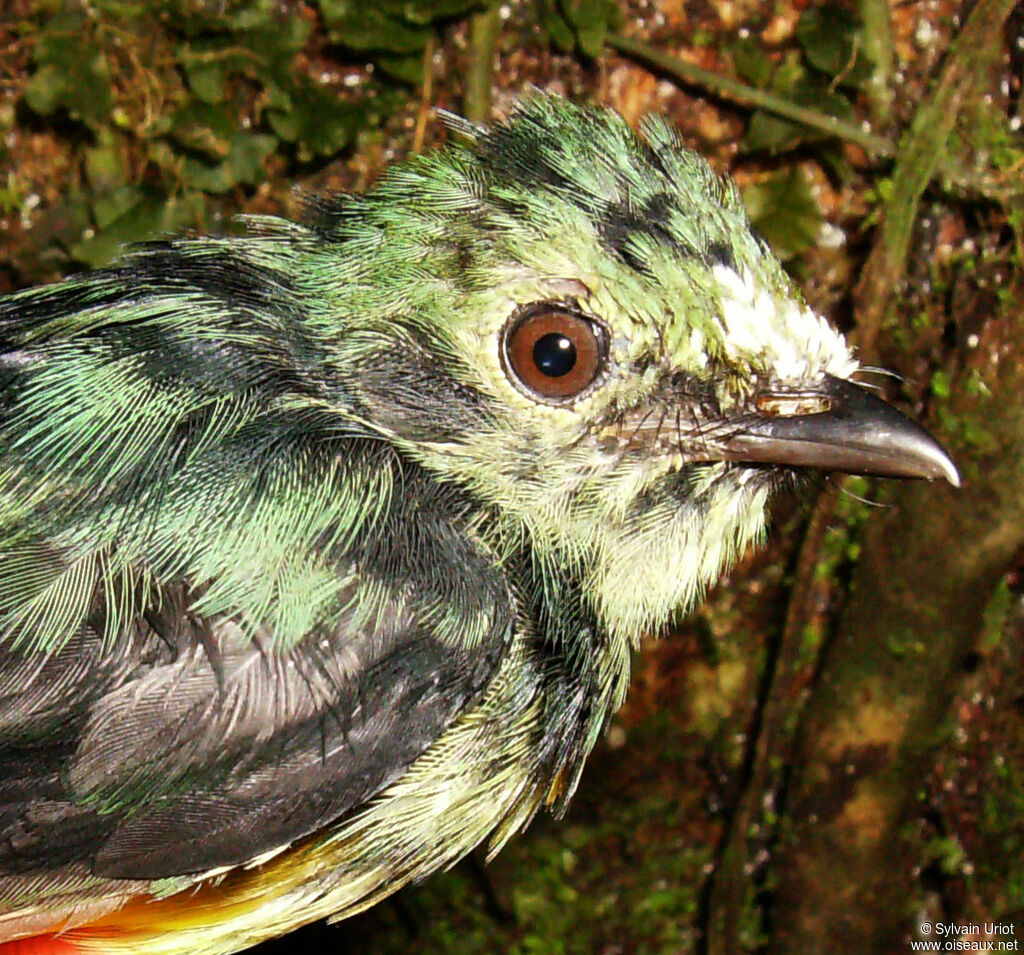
[{"x": 856, "y": 433}]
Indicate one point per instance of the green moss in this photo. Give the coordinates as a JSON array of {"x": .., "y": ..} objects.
[{"x": 618, "y": 874}]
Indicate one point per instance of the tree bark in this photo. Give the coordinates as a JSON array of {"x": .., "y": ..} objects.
[{"x": 927, "y": 568}]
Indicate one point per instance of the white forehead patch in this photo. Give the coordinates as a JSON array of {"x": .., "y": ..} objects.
[{"x": 792, "y": 341}]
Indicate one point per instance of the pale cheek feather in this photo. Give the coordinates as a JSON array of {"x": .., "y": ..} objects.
[{"x": 646, "y": 572}]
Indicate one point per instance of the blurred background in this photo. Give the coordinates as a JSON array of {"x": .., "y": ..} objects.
[{"x": 829, "y": 755}]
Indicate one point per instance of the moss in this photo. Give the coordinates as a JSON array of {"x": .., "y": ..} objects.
[{"x": 573, "y": 889}]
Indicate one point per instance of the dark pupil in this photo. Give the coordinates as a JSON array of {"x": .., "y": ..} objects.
[{"x": 554, "y": 355}]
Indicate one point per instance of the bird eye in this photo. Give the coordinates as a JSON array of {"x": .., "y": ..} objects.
[{"x": 553, "y": 353}]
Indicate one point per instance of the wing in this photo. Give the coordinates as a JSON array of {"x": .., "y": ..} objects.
[
  {"x": 185, "y": 747},
  {"x": 228, "y": 614}
]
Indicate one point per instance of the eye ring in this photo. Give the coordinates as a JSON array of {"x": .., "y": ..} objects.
[{"x": 553, "y": 354}]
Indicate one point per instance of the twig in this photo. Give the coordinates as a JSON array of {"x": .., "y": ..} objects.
[
  {"x": 922, "y": 152},
  {"x": 483, "y": 32},
  {"x": 420, "y": 132},
  {"x": 771, "y": 741},
  {"x": 738, "y": 92},
  {"x": 876, "y": 17}
]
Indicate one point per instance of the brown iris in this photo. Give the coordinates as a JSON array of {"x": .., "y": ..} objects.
[{"x": 553, "y": 353}]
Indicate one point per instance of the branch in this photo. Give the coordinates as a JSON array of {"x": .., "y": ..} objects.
[
  {"x": 745, "y": 95},
  {"x": 922, "y": 152}
]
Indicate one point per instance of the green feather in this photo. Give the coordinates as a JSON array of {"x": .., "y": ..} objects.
[{"x": 296, "y": 556}]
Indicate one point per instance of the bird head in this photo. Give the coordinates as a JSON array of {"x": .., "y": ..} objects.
[{"x": 578, "y": 325}]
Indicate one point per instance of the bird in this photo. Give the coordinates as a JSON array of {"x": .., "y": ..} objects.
[{"x": 324, "y": 548}]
